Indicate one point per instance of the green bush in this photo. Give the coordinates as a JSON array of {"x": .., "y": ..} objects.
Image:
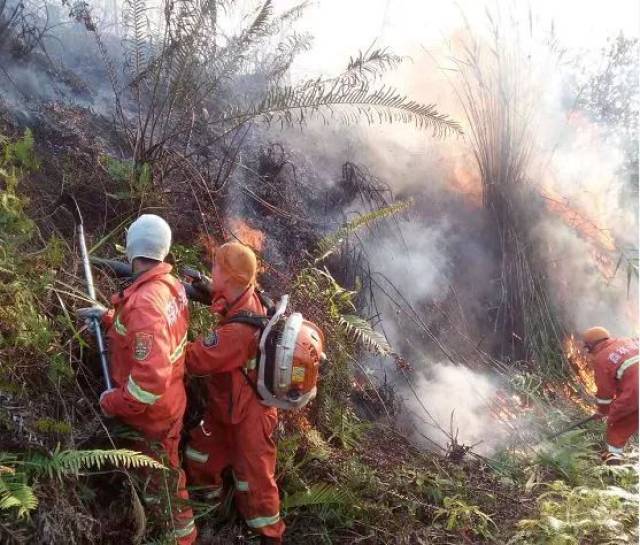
[{"x": 582, "y": 516}]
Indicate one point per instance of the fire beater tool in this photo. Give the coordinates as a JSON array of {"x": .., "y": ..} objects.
[
  {"x": 574, "y": 426},
  {"x": 71, "y": 204}
]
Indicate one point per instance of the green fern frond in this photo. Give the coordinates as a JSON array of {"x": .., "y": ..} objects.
[
  {"x": 235, "y": 53},
  {"x": 360, "y": 330},
  {"x": 291, "y": 106},
  {"x": 15, "y": 493},
  {"x": 373, "y": 63},
  {"x": 136, "y": 39},
  {"x": 260, "y": 23},
  {"x": 291, "y": 15},
  {"x": 330, "y": 243},
  {"x": 286, "y": 52},
  {"x": 72, "y": 462},
  {"x": 316, "y": 494}
]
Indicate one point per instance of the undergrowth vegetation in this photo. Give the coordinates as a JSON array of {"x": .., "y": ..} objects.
[
  {"x": 36, "y": 367},
  {"x": 343, "y": 478}
]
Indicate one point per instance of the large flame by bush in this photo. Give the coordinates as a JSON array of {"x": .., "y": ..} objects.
[{"x": 239, "y": 230}]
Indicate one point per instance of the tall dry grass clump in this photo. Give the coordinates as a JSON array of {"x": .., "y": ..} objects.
[{"x": 496, "y": 88}]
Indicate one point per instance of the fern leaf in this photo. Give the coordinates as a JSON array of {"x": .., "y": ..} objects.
[
  {"x": 291, "y": 15},
  {"x": 316, "y": 494},
  {"x": 362, "y": 331},
  {"x": 330, "y": 243},
  {"x": 137, "y": 40},
  {"x": 15, "y": 493},
  {"x": 72, "y": 462},
  {"x": 372, "y": 63},
  {"x": 294, "y": 105},
  {"x": 233, "y": 55},
  {"x": 286, "y": 52}
]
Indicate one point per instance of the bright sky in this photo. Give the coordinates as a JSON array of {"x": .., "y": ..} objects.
[{"x": 343, "y": 27}]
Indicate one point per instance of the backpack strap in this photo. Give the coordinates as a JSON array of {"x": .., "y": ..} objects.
[
  {"x": 249, "y": 318},
  {"x": 259, "y": 322},
  {"x": 266, "y": 302}
]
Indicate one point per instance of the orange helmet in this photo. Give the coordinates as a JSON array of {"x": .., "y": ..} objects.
[
  {"x": 238, "y": 261},
  {"x": 594, "y": 335}
]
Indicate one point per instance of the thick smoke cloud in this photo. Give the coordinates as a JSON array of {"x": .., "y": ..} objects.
[{"x": 584, "y": 220}]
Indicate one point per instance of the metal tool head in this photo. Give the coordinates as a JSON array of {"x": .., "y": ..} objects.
[{"x": 68, "y": 201}]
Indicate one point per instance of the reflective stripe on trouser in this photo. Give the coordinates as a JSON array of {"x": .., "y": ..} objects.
[
  {"x": 213, "y": 493},
  {"x": 205, "y": 458},
  {"x": 248, "y": 448},
  {"x": 196, "y": 455},
  {"x": 261, "y": 522},
  {"x": 241, "y": 486},
  {"x": 166, "y": 451},
  {"x": 185, "y": 530}
]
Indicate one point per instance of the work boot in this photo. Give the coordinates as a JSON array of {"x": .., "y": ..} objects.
[
  {"x": 270, "y": 540},
  {"x": 612, "y": 458}
]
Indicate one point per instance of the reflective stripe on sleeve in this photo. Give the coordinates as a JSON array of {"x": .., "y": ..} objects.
[
  {"x": 179, "y": 351},
  {"x": 604, "y": 401},
  {"x": 148, "y": 398},
  {"x": 250, "y": 365},
  {"x": 615, "y": 450},
  {"x": 625, "y": 365},
  {"x": 119, "y": 326},
  {"x": 196, "y": 455},
  {"x": 261, "y": 522}
]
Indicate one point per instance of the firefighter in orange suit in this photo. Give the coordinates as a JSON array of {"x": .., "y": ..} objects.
[
  {"x": 615, "y": 365},
  {"x": 147, "y": 334},
  {"x": 237, "y": 428}
]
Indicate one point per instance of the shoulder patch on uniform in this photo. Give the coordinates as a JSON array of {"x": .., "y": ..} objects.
[
  {"x": 211, "y": 339},
  {"x": 142, "y": 347}
]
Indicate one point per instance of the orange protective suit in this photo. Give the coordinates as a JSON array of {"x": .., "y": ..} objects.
[
  {"x": 147, "y": 336},
  {"x": 615, "y": 364},
  {"x": 237, "y": 428}
]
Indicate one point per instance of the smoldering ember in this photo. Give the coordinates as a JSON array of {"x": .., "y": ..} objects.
[{"x": 282, "y": 271}]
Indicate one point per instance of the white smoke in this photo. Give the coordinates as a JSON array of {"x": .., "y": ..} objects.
[
  {"x": 573, "y": 161},
  {"x": 452, "y": 401}
]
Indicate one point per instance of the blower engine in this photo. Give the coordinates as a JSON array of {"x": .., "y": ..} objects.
[{"x": 291, "y": 350}]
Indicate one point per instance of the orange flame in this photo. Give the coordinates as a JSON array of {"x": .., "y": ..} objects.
[
  {"x": 580, "y": 363},
  {"x": 249, "y": 236},
  {"x": 465, "y": 180},
  {"x": 600, "y": 239},
  {"x": 508, "y": 407}
]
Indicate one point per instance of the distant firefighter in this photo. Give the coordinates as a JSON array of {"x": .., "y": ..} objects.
[{"x": 615, "y": 365}]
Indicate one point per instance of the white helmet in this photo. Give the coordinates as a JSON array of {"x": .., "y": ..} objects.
[{"x": 149, "y": 236}]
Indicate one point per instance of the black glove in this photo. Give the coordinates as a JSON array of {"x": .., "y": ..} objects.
[{"x": 201, "y": 287}]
